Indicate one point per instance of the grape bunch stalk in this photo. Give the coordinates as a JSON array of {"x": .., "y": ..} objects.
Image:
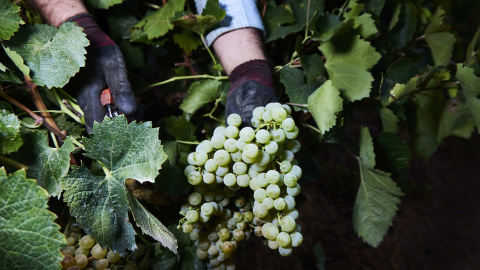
[{"x": 256, "y": 170}]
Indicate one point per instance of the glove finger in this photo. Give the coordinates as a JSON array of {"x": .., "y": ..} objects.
[
  {"x": 89, "y": 101},
  {"x": 116, "y": 76}
]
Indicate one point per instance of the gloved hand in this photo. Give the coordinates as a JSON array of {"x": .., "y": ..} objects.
[
  {"x": 105, "y": 68},
  {"x": 252, "y": 86}
]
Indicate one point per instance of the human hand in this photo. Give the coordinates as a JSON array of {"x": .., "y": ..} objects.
[
  {"x": 252, "y": 86},
  {"x": 105, "y": 68}
]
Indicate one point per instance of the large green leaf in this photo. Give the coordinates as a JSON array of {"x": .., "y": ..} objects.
[
  {"x": 364, "y": 23},
  {"x": 53, "y": 55},
  {"x": 324, "y": 104},
  {"x": 294, "y": 81},
  {"x": 126, "y": 150},
  {"x": 187, "y": 41},
  {"x": 200, "y": 93},
  {"x": 10, "y": 138},
  {"x": 276, "y": 16},
  {"x": 456, "y": 120},
  {"x": 10, "y": 19},
  {"x": 151, "y": 225},
  {"x": 100, "y": 206},
  {"x": 211, "y": 15},
  {"x": 348, "y": 60},
  {"x": 157, "y": 24},
  {"x": 469, "y": 83},
  {"x": 377, "y": 197},
  {"x": 313, "y": 66},
  {"x": 30, "y": 238},
  {"x": 47, "y": 165},
  {"x": 104, "y": 3},
  {"x": 440, "y": 40}
]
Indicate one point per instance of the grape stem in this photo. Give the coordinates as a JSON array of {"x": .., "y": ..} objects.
[
  {"x": 298, "y": 105},
  {"x": 12, "y": 163},
  {"x": 311, "y": 127},
  {"x": 187, "y": 142},
  {"x": 210, "y": 114},
  {"x": 66, "y": 108},
  {"x": 177, "y": 78}
]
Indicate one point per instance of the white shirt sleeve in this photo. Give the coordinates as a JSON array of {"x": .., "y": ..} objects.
[{"x": 240, "y": 14}]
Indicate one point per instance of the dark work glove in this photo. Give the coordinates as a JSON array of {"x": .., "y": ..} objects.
[
  {"x": 105, "y": 68},
  {"x": 252, "y": 86}
]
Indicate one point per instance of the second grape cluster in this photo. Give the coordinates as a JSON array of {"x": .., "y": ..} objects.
[{"x": 256, "y": 170}]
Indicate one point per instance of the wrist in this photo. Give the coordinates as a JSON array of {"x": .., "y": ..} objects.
[{"x": 254, "y": 70}]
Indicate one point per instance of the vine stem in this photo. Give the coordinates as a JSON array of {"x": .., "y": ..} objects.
[
  {"x": 177, "y": 78},
  {"x": 312, "y": 128},
  {"x": 12, "y": 163},
  {"x": 79, "y": 144},
  {"x": 210, "y": 114},
  {"x": 64, "y": 108},
  {"x": 308, "y": 15},
  {"x": 298, "y": 105},
  {"x": 187, "y": 142},
  {"x": 209, "y": 52}
]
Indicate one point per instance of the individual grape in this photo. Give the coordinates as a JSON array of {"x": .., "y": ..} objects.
[
  {"x": 241, "y": 145},
  {"x": 259, "y": 195},
  {"x": 279, "y": 114},
  {"x": 242, "y": 225},
  {"x": 248, "y": 216},
  {"x": 293, "y": 146},
  {"x": 230, "y": 145},
  {"x": 250, "y": 151},
  {"x": 270, "y": 231},
  {"x": 262, "y": 159},
  {"x": 83, "y": 251},
  {"x": 224, "y": 234},
  {"x": 272, "y": 177},
  {"x": 230, "y": 180},
  {"x": 258, "y": 167},
  {"x": 203, "y": 218},
  {"x": 234, "y": 120},
  {"x": 297, "y": 239},
  {"x": 238, "y": 235},
  {"x": 260, "y": 211},
  {"x": 292, "y": 134},
  {"x": 194, "y": 178},
  {"x": 192, "y": 216},
  {"x": 273, "y": 191},
  {"x": 208, "y": 178},
  {"x": 113, "y": 257},
  {"x": 87, "y": 242},
  {"x": 255, "y": 122},
  {"x": 236, "y": 156},
  {"x": 290, "y": 179},
  {"x": 285, "y": 251},
  {"x": 98, "y": 252},
  {"x": 200, "y": 157},
  {"x": 258, "y": 231},
  {"x": 287, "y": 109},
  {"x": 284, "y": 239},
  {"x": 222, "y": 171},
  {"x": 293, "y": 213},
  {"x": 217, "y": 140},
  {"x": 186, "y": 228},
  {"x": 272, "y": 105},
  {"x": 254, "y": 184},
  {"x": 231, "y": 132},
  {"x": 201, "y": 254},
  {"x": 271, "y": 147},
  {"x": 75, "y": 235},
  {"x": 267, "y": 116},
  {"x": 221, "y": 157},
  {"x": 240, "y": 202},
  {"x": 68, "y": 261},
  {"x": 202, "y": 244},
  {"x": 262, "y": 179},
  {"x": 194, "y": 234},
  {"x": 227, "y": 247},
  {"x": 190, "y": 159},
  {"x": 239, "y": 168},
  {"x": 272, "y": 244},
  {"x": 213, "y": 250},
  {"x": 219, "y": 130},
  {"x": 288, "y": 124},
  {"x": 209, "y": 196},
  {"x": 195, "y": 198},
  {"x": 288, "y": 224},
  {"x": 268, "y": 203},
  {"x": 263, "y": 136},
  {"x": 210, "y": 166},
  {"x": 243, "y": 180},
  {"x": 258, "y": 113},
  {"x": 71, "y": 241},
  {"x": 205, "y": 146},
  {"x": 294, "y": 191},
  {"x": 297, "y": 171},
  {"x": 287, "y": 155},
  {"x": 81, "y": 260},
  {"x": 101, "y": 264},
  {"x": 247, "y": 159},
  {"x": 247, "y": 134},
  {"x": 290, "y": 202},
  {"x": 285, "y": 166},
  {"x": 279, "y": 204},
  {"x": 68, "y": 250},
  {"x": 278, "y": 136}
]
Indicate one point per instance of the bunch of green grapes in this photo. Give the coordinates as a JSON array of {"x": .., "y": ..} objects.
[
  {"x": 256, "y": 170},
  {"x": 84, "y": 253}
]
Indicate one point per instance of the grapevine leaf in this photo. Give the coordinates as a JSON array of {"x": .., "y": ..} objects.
[
  {"x": 10, "y": 19},
  {"x": 456, "y": 120},
  {"x": 395, "y": 16},
  {"x": 127, "y": 150},
  {"x": 405, "y": 27},
  {"x": 377, "y": 197},
  {"x": 401, "y": 90},
  {"x": 389, "y": 120},
  {"x": 200, "y": 93},
  {"x": 469, "y": 83},
  {"x": 376, "y": 5},
  {"x": 324, "y": 104},
  {"x": 10, "y": 138},
  {"x": 428, "y": 113},
  {"x": 30, "y": 238},
  {"x": 327, "y": 26},
  {"x": 71, "y": 128},
  {"x": 100, "y": 206},
  {"x": 294, "y": 81},
  {"x": 348, "y": 60},
  {"x": 440, "y": 40},
  {"x": 472, "y": 48},
  {"x": 18, "y": 61},
  {"x": 187, "y": 41},
  {"x": 105, "y": 4},
  {"x": 151, "y": 225},
  {"x": 180, "y": 128},
  {"x": 365, "y": 25},
  {"x": 48, "y": 50},
  {"x": 158, "y": 23},
  {"x": 3, "y": 68},
  {"x": 47, "y": 165},
  {"x": 313, "y": 66},
  {"x": 276, "y": 16},
  {"x": 196, "y": 23},
  {"x": 395, "y": 149},
  {"x": 402, "y": 71}
]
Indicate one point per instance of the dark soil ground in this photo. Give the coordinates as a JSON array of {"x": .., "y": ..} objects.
[{"x": 437, "y": 226}]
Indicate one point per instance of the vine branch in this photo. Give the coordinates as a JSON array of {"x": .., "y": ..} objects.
[
  {"x": 12, "y": 163},
  {"x": 177, "y": 78}
]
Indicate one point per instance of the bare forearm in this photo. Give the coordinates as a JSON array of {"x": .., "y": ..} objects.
[{"x": 55, "y": 12}]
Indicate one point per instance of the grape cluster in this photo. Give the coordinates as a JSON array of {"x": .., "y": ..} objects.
[
  {"x": 256, "y": 170},
  {"x": 82, "y": 252}
]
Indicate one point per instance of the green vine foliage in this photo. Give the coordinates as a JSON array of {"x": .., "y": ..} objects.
[{"x": 407, "y": 64}]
